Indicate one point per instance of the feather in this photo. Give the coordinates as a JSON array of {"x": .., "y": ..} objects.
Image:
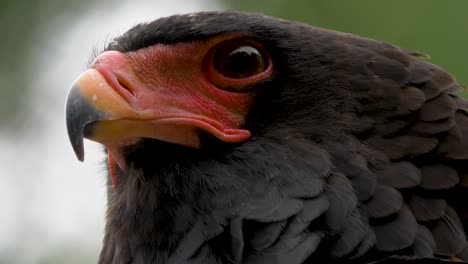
[
  {"x": 291, "y": 251},
  {"x": 424, "y": 245},
  {"x": 441, "y": 107},
  {"x": 438, "y": 176},
  {"x": 402, "y": 146},
  {"x": 388, "y": 69},
  {"x": 420, "y": 72},
  {"x": 237, "y": 239},
  {"x": 400, "y": 175},
  {"x": 440, "y": 82},
  {"x": 453, "y": 145},
  {"x": 411, "y": 99},
  {"x": 200, "y": 233},
  {"x": 355, "y": 231},
  {"x": 362, "y": 179},
  {"x": 398, "y": 233},
  {"x": 313, "y": 209},
  {"x": 449, "y": 235},
  {"x": 366, "y": 244},
  {"x": 265, "y": 235},
  {"x": 363, "y": 125},
  {"x": 342, "y": 202},
  {"x": 272, "y": 212},
  {"x": 373, "y": 91},
  {"x": 425, "y": 209},
  {"x": 432, "y": 128},
  {"x": 390, "y": 126},
  {"x": 364, "y": 185},
  {"x": 204, "y": 255},
  {"x": 385, "y": 202}
]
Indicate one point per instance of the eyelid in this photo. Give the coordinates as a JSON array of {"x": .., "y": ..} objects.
[
  {"x": 223, "y": 52},
  {"x": 231, "y": 84}
]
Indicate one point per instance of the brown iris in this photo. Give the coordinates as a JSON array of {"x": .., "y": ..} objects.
[{"x": 239, "y": 60}]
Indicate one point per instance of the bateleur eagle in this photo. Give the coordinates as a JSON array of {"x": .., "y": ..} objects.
[{"x": 241, "y": 138}]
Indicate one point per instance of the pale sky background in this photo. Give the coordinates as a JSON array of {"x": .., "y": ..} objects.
[{"x": 50, "y": 203}]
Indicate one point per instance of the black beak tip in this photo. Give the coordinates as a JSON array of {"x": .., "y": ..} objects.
[
  {"x": 76, "y": 139},
  {"x": 74, "y": 120},
  {"x": 78, "y": 148},
  {"x": 79, "y": 114}
]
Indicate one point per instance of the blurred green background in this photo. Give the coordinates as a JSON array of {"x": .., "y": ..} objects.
[
  {"x": 52, "y": 208},
  {"x": 437, "y": 28}
]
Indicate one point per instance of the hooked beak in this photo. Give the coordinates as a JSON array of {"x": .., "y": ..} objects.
[{"x": 82, "y": 112}]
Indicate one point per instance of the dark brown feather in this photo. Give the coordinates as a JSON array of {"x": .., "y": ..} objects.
[
  {"x": 426, "y": 209},
  {"x": 438, "y": 176},
  {"x": 453, "y": 145},
  {"x": 441, "y": 107},
  {"x": 411, "y": 99},
  {"x": 385, "y": 202},
  {"x": 403, "y": 146},
  {"x": 400, "y": 175},
  {"x": 424, "y": 246},
  {"x": 432, "y": 128},
  {"x": 398, "y": 233},
  {"x": 449, "y": 235}
]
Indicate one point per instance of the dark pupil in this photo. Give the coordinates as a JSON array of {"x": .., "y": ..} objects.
[{"x": 242, "y": 62}]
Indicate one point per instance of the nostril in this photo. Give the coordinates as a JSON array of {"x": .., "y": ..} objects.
[
  {"x": 126, "y": 85},
  {"x": 112, "y": 67}
]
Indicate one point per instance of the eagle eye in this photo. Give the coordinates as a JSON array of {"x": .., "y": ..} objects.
[{"x": 240, "y": 60}]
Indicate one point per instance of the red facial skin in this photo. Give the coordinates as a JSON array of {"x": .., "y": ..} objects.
[{"x": 172, "y": 91}]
